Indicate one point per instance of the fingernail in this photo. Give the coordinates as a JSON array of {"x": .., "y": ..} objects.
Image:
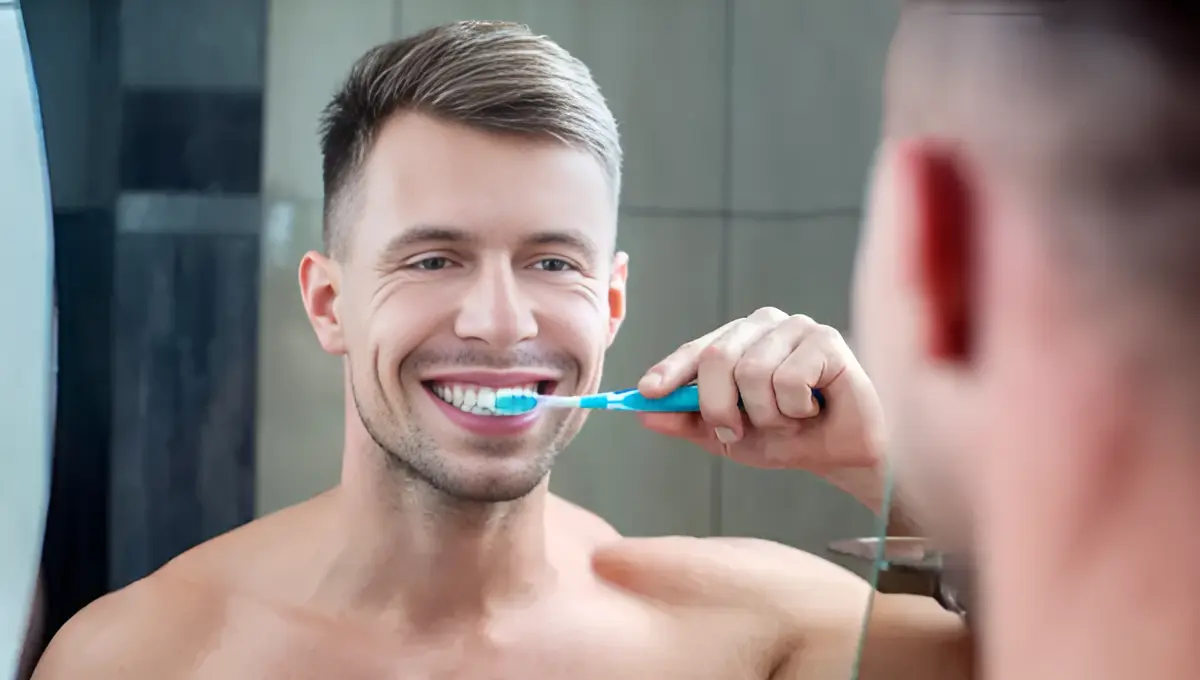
[
  {"x": 726, "y": 435},
  {"x": 651, "y": 381}
]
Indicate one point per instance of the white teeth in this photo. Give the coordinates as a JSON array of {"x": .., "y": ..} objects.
[{"x": 477, "y": 399}]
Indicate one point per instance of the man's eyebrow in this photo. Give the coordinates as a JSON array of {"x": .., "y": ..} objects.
[
  {"x": 571, "y": 239},
  {"x": 423, "y": 235},
  {"x": 428, "y": 234}
]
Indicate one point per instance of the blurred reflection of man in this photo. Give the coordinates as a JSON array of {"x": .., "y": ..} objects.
[
  {"x": 1028, "y": 305},
  {"x": 471, "y": 179}
]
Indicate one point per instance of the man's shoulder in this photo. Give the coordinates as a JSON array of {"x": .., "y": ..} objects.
[
  {"x": 772, "y": 579},
  {"x": 581, "y": 522},
  {"x": 156, "y": 626},
  {"x": 152, "y": 628},
  {"x": 786, "y": 600}
]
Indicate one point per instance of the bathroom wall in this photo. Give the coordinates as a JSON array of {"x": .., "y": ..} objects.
[
  {"x": 185, "y": 287},
  {"x": 748, "y": 128}
]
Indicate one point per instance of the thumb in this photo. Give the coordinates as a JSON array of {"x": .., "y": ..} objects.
[{"x": 688, "y": 426}]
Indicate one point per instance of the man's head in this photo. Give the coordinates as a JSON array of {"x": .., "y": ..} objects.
[
  {"x": 1034, "y": 217},
  {"x": 471, "y": 179}
]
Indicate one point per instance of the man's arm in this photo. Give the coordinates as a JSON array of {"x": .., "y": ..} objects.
[
  {"x": 147, "y": 631},
  {"x": 815, "y": 607},
  {"x": 908, "y": 637}
]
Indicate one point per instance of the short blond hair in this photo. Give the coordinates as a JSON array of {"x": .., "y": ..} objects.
[{"x": 488, "y": 75}]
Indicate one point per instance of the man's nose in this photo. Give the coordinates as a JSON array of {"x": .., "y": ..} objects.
[{"x": 495, "y": 309}]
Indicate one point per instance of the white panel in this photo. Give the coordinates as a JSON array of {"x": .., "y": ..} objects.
[
  {"x": 801, "y": 267},
  {"x": 311, "y": 45},
  {"x": 300, "y": 413},
  {"x": 26, "y": 346},
  {"x": 807, "y": 89},
  {"x": 661, "y": 67},
  {"x": 643, "y": 483}
]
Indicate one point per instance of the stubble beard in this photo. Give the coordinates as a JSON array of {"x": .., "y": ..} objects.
[{"x": 415, "y": 461}]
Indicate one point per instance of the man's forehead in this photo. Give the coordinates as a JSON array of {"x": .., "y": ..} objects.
[{"x": 480, "y": 189}]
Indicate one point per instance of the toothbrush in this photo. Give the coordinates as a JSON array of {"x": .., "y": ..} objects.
[{"x": 686, "y": 399}]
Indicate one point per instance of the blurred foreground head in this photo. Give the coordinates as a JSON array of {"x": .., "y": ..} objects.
[{"x": 1026, "y": 300}]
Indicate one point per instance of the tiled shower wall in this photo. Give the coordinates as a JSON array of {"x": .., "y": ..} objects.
[{"x": 748, "y": 127}]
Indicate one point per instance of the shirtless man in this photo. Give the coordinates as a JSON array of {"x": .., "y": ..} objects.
[
  {"x": 471, "y": 180},
  {"x": 1029, "y": 307}
]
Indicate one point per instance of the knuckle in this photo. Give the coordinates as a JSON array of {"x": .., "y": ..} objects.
[
  {"x": 768, "y": 314},
  {"x": 829, "y": 334},
  {"x": 800, "y": 321},
  {"x": 753, "y": 371},
  {"x": 717, "y": 354},
  {"x": 789, "y": 383},
  {"x": 796, "y": 406}
]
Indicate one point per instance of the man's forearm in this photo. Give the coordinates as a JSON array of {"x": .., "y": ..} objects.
[
  {"x": 869, "y": 487},
  {"x": 912, "y": 637}
]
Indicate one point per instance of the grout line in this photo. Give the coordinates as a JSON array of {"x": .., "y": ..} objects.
[{"x": 725, "y": 257}]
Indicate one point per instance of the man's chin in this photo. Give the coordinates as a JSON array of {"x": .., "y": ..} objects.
[{"x": 489, "y": 483}]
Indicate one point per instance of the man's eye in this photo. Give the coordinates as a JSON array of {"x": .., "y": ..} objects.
[
  {"x": 430, "y": 264},
  {"x": 554, "y": 264}
]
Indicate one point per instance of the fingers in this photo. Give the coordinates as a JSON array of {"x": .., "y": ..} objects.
[
  {"x": 818, "y": 360},
  {"x": 756, "y": 369},
  {"x": 770, "y": 360},
  {"x": 679, "y": 368},
  {"x": 688, "y": 426},
  {"x": 716, "y": 380}
]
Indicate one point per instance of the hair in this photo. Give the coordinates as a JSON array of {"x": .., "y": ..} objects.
[
  {"x": 1127, "y": 72},
  {"x": 487, "y": 75}
]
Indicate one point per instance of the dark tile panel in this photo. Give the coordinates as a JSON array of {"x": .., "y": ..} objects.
[
  {"x": 184, "y": 374},
  {"x": 75, "y": 556},
  {"x": 209, "y": 44},
  {"x": 191, "y": 141}
]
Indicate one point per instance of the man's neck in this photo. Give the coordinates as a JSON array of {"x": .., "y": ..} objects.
[
  {"x": 422, "y": 559},
  {"x": 1094, "y": 577}
]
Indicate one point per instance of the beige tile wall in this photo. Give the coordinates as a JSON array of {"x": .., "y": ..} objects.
[
  {"x": 799, "y": 265},
  {"x": 747, "y": 126},
  {"x": 661, "y": 66}
]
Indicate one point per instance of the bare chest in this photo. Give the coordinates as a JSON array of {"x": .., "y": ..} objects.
[{"x": 587, "y": 646}]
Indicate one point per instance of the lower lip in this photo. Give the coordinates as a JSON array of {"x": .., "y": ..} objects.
[{"x": 490, "y": 426}]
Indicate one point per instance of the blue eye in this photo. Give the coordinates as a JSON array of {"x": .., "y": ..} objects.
[
  {"x": 431, "y": 264},
  {"x": 554, "y": 264}
]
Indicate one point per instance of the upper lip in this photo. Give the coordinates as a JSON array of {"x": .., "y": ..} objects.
[{"x": 494, "y": 378}]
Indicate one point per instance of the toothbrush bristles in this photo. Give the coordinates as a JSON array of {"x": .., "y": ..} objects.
[{"x": 516, "y": 403}]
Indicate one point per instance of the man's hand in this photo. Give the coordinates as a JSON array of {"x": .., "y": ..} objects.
[{"x": 774, "y": 361}]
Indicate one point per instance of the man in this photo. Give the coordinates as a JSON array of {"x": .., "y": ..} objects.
[
  {"x": 1026, "y": 302},
  {"x": 471, "y": 180}
]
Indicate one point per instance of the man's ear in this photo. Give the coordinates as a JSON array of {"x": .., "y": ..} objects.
[
  {"x": 320, "y": 288},
  {"x": 944, "y": 232},
  {"x": 617, "y": 294}
]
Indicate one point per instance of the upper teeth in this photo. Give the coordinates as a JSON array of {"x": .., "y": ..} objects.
[{"x": 477, "y": 399}]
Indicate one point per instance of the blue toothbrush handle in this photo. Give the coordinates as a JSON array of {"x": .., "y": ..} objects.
[{"x": 686, "y": 399}]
